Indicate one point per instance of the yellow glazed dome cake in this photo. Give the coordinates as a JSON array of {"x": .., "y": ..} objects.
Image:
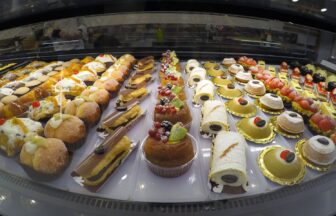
[
  {"x": 235, "y": 68},
  {"x": 229, "y": 91},
  {"x": 291, "y": 122},
  {"x": 241, "y": 107},
  {"x": 218, "y": 81},
  {"x": 255, "y": 88},
  {"x": 281, "y": 165},
  {"x": 209, "y": 64},
  {"x": 215, "y": 71},
  {"x": 319, "y": 150},
  {"x": 256, "y": 129}
]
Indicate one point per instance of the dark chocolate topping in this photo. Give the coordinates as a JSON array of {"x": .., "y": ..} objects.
[
  {"x": 216, "y": 67},
  {"x": 290, "y": 157},
  {"x": 196, "y": 79},
  {"x": 99, "y": 150},
  {"x": 255, "y": 82},
  {"x": 121, "y": 108},
  {"x": 229, "y": 178},
  {"x": 231, "y": 86},
  {"x": 191, "y": 68},
  {"x": 323, "y": 141},
  {"x": 261, "y": 123},
  {"x": 215, "y": 127},
  {"x": 243, "y": 102},
  {"x": 293, "y": 115},
  {"x": 274, "y": 95},
  {"x": 204, "y": 97}
]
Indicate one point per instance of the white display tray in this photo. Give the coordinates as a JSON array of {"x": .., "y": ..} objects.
[{"x": 135, "y": 182}]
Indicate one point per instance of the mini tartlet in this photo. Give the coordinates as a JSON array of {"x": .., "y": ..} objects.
[
  {"x": 243, "y": 77},
  {"x": 227, "y": 62},
  {"x": 318, "y": 152},
  {"x": 289, "y": 124},
  {"x": 281, "y": 166},
  {"x": 229, "y": 91},
  {"x": 255, "y": 88},
  {"x": 270, "y": 103},
  {"x": 235, "y": 68},
  {"x": 256, "y": 129},
  {"x": 321, "y": 124},
  {"x": 241, "y": 107},
  {"x": 168, "y": 150},
  {"x": 274, "y": 84}
]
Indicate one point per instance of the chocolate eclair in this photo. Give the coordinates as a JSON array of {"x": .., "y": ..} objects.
[
  {"x": 93, "y": 172},
  {"x": 139, "y": 78},
  {"x": 124, "y": 116}
]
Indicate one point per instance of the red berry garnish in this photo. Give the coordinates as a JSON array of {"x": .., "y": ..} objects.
[
  {"x": 101, "y": 55},
  {"x": 157, "y": 125},
  {"x": 2, "y": 121},
  {"x": 75, "y": 71},
  {"x": 257, "y": 119},
  {"x": 158, "y": 136},
  {"x": 36, "y": 104},
  {"x": 152, "y": 133},
  {"x": 284, "y": 154}
]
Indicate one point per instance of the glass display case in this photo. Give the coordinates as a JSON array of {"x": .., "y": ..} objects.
[{"x": 167, "y": 107}]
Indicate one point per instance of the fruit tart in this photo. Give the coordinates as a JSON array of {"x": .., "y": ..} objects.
[
  {"x": 305, "y": 106},
  {"x": 173, "y": 110},
  {"x": 321, "y": 124},
  {"x": 171, "y": 91}
]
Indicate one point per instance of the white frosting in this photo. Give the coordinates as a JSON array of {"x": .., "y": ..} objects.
[
  {"x": 105, "y": 58},
  {"x": 85, "y": 75},
  {"x": 93, "y": 88},
  {"x": 67, "y": 84},
  {"x": 6, "y": 91},
  {"x": 95, "y": 66},
  {"x": 289, "y": 123},
  {"x": 233, "y": 162},
  {"x": 257, "y": 88},
  {"x": 320, "y": 148},
  {"x": 30, "y": 147},
  {"x": 229, "y": 61},
  {"x": 78, "y": 101},
  {"x": 55, "y": 123},
  {"x": 197, "y": 72},
  {"x": 214, "y": 113},
  {"x": 244, "y": 75},
  {"x": 235, "y": 68},
  {"x": 14, "y": 131},
  {"x": 272, "y": 102}
]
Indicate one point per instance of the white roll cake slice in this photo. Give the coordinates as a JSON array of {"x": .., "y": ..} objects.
[
  {"x": 228, "y": 165},
  {"x": 204, "y": 91},
  {"x": 214, "y": 117},
  {"x": 191, "y": 64},
  {"x": 196, "y": 75}
]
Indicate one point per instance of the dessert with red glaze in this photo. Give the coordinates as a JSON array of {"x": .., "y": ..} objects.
[
  {"x": 287, "y": 95},
  {"x": 305, "y": 106},
  {"x": 173, "y": 110},
  {"x": 296, "y": 73},
  {"x": 322, "y": 124},
  {"x": 263, "y": 76},
  {"x": 247, "y": 62},
  {"x": 254, "y": 70},
  {"x": 168, "y": 149},
  {"x": 274, "y": 84},
  {"x": 171, "y": 91},
  {"x": 284, "y": 67}
]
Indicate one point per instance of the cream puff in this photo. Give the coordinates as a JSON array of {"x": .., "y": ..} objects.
[
  {"x": 99, "y": 95},
  {"x": 84, "y": 108},
  {"x": 44, "y": 155},
  {"x": 68, "y": 128}
]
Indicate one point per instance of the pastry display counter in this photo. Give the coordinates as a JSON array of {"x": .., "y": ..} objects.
[{"x": 160, "y": 112}]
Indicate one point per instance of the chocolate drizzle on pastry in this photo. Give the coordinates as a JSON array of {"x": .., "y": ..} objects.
[{"x": 323, "y": 141}]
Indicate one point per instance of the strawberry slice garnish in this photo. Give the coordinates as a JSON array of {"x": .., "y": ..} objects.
[{"x": 36, "y": 104}]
